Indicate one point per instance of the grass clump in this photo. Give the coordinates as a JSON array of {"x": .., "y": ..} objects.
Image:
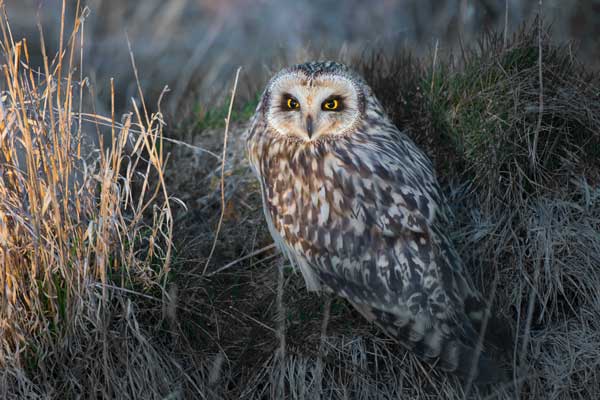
[
  {"x": 529, "y": 151},
  {"x": 85, "y": 233},
  {"x": 521, "y": 123}
]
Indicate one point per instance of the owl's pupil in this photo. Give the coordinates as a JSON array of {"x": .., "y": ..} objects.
[
  {"x": 331, "y": 105},
  {"x": 292, "y": 104}
]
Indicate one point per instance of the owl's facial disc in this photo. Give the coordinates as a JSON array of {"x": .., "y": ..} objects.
[{"x": 313, "y": 108}]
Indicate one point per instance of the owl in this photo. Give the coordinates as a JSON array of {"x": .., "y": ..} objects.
[{"x": 355, "y": 206}]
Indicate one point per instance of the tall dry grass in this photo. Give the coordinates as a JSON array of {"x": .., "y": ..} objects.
[{"x": 85, "y": 232}]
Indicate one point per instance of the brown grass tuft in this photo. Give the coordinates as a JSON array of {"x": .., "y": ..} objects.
[{"x": 85, "y": 233}]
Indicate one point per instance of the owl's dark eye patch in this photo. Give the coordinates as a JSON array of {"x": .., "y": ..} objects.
[
  {"x": 289, "y": 103},
  {"x": 333, "y": 103}
]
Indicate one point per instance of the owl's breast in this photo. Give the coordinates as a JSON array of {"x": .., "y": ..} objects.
[
  {"x": 312, "y": 205},
  {"x": 340, "y": 216}
]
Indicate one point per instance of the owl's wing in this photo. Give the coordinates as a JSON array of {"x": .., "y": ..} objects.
[
  {"x": 392, "y": 260},
  {"x": 409, "y": 290},
  {"x": 396, "y": 183}
]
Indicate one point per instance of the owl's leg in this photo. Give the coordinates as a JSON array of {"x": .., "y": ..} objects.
[
  {"x": 281, "y": 313},
  {"x": 321, "y": 354},
  {"x": 325, "y": 322}
]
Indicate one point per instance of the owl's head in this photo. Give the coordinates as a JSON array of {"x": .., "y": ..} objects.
[{"x": 314, "y": 101}]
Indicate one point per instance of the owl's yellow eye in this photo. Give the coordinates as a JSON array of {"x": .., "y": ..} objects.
[
  {"x": 292, "y": 103},
  {"x": 331, "y": 105}
]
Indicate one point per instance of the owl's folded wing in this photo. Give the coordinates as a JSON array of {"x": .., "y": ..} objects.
[{"x": 391, "y": 182}]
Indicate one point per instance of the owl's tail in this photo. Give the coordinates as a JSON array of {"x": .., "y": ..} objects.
[{"x": 447, "y": 350}]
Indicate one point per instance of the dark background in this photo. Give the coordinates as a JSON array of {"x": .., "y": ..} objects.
[{"x": 194, "y": 46}]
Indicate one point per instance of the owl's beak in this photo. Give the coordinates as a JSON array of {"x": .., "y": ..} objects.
[{"x": 309, "y": 126}]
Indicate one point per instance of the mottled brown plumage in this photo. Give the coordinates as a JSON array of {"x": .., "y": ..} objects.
[{"x": 355, "y": 205}]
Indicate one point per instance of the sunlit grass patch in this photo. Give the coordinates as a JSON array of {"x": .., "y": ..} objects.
[{"x": 84, "y": 230}]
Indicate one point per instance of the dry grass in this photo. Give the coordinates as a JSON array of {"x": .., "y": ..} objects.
[{"x": 85, "y": 235}]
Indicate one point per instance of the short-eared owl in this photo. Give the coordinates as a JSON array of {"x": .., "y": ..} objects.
[{"x": 355, "y": 205}]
